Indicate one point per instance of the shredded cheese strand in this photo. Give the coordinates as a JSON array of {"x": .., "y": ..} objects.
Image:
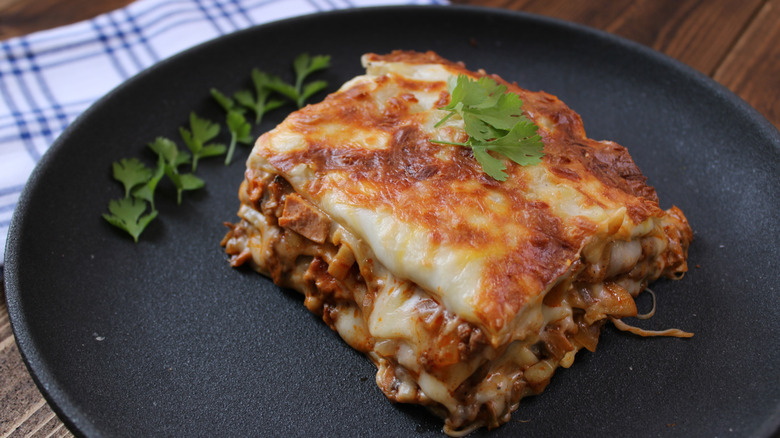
[
  {"x": 677, "y": 333},
  {"x": 649, "y": 314},
  {"x": 463, "y": 432}
]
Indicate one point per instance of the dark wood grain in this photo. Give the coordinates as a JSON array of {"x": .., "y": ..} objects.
[
  {"x": 752, "y": 68},
  {"x": 23, "y": 410},
  {"x": 699, "y": 33},
  {"x": 595, "y": 13},
  {"x": 736, "y": 42},
  {"x": 20, "y": 17}
]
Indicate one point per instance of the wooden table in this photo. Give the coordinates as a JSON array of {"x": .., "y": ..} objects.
[{"x": 736, "y": 42}]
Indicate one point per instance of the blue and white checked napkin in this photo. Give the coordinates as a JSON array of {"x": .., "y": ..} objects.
[{"x": 48, "y": 78}]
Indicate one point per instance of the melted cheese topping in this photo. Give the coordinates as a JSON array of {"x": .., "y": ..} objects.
[
  {"x": 465, "y": 292},
  {"x": 429, "y": 213}
]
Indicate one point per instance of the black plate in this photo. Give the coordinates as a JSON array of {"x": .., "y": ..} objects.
[{"x": 164, "y": 338}]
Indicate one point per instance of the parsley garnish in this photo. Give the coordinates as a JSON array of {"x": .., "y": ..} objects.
[
  {"x": 261, "y": 101},
  {"x": 127, "y": 214},
  {"x": 225, "y": 102},
  {"x": 172, "y": 158},
  {"x": 494, "y": 122},
  {"x": 146, "y": 191},
  {"x": 130, "y": 172},
  {"x": 304, "y": 65},
  {"x": 258, "y": 102},
  {"x": 240, "y": 129},
  {"x": 140, "y": 182},
  {"x": 240, "y": 132},
  {"x": 200, "y": 132}
]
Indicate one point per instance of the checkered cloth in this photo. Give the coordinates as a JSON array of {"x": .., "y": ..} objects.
[{"x": 48, "y": 78}]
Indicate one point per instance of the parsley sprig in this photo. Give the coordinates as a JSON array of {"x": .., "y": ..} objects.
[
  {"x": 240, "y": 129},
  {"x": 136, "y": 210},
  {"x": 146, "y": 190},
  {"x": 197, "y": 137},
  {"x": 169, "y": 155},
  {"x": 140, "y": 183},
  {"x": 260, "y": 102},
  {"x": 494, "y": 122},
  {"x": 130, "y": 172},
  {"x": 304, "y": 65},
  {"x": 128, "y": 213}
]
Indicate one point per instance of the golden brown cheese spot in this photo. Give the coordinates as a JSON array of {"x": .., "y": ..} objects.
[
  {"x": 607, "y": 162},
  {"x": 444, "y": 190}
]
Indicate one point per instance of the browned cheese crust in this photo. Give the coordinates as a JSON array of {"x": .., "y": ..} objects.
[{"x": 537, "y": 260}]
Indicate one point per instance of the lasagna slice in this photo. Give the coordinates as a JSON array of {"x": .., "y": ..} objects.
[{"x": 464, "y": 291}]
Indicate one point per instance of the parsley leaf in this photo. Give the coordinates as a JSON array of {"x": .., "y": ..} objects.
[
  {"x": 240, "y": 132},
  {"x": 258, "y": 102},
  {"x": 201, "y": 131},
  {"x": 303, "y": 65},
  {"x": 140, "y": 182},
  {"x": 240, "y": 129},
  {"x": 183, "y": 181},
  {"x": 127, "y": 214},
  {"x": 171, "y": 154},
  {"x": 494, "y": 122},
  {"x": 130, "y": 172},
  {"x": 146, "y": 191},
  {"x": 225, "y": 102},
  {"x": 173, "y": 158}
]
